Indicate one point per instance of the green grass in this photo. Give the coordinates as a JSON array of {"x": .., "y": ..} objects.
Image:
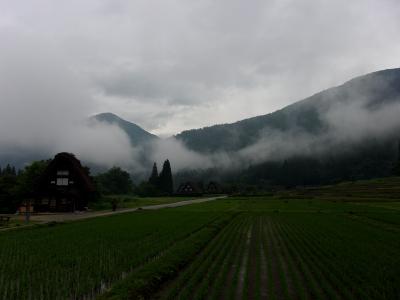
[{"x": 236, "y": 248}]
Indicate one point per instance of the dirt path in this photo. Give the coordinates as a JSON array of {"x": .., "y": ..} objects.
[{"x": 61, "y": 217}]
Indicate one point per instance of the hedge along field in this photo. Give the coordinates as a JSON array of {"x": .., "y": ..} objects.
[{"x": 80, "y": 259}]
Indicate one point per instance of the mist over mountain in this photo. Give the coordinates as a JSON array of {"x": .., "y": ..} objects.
[
  {"x": 346, "y": 132},
  {"x": 136, "y": 134},
  {"x": 314, "y": 116}
]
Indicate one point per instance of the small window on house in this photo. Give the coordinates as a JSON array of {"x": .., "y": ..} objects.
[
  {"x": 53, "y": 182},
  {"x": 62, "y": 172},
  {"x": 62, "y": 181}
]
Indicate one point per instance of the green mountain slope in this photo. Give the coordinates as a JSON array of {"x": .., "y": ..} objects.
[{"x": 308, "y": 116}]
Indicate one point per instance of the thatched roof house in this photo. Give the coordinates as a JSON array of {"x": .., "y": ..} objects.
[
  {"x": 64, "y": 186},
  {"x": 213, "y": 188},
  {"x": 189, "y": 188}
]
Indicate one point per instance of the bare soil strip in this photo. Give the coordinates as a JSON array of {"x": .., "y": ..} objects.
[
  {"x": 243, "y": 264},
  {"x": 297, "y": 290},
  {"x": 286, "y": 276},
  {"x": 252, "y": 283},
  {"x": 313, "y": 290},
  {"x": 217, "y": 288},
  {"x": 277, "y": 290},
  {"x": 231, "y": 280},
  {"x": 263, "y": 276}
]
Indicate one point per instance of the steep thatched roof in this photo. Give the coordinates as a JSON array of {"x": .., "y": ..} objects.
[{"x": 75, "y": 168}]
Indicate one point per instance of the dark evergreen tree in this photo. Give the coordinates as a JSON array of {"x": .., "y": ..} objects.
[
  {"x": 8, "y": 190},
  {"x": 154, "y": 176},
  {"x": 9, "y": 170},
  {"x": 165, "y": 179},
  {"x": 397, "y": 165}
]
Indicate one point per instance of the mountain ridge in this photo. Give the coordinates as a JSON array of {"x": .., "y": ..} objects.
[
  {"x": 136, "y": 134},
  {"x": 375, "y": 88}
]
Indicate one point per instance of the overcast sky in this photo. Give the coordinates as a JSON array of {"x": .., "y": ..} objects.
[{"x": 171, "y": 65}]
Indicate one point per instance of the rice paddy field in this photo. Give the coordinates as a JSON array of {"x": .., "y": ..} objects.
[{"x": 235, "y": 248}]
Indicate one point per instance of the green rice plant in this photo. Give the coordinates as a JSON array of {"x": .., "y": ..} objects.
[
  {"x": 293, "y": 272},
  {"x": 142, "y": 282},
  {"x": 78, "y": 259},
  {"x": 235, "y": 288},
  {"x": 218, "y": 286},
  {"x": 304, "y": 267},
  {"x": 202, "y": 291},
  {"x": 194, "y": 271},
  {"x": 194, "y": 287}
]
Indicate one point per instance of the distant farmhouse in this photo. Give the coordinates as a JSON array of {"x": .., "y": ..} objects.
[
  {"x": 190, "y": 188},
  {"x": 64, "y": 186},
  {"x": 213, "y": 188}
]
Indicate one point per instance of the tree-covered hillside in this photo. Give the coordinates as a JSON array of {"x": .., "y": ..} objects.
[{"x": 311, "y": 115}]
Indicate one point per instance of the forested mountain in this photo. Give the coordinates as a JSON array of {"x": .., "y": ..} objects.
[
  {"x": 344, "y": 133},
  {"x": 372, "y": 92},
  {"x": 137, "y": 135}
]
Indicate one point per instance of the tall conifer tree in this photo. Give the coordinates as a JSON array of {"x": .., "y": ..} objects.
[
  {"x": 154, "y": 175},
  {"x": 166, "y": 183},
  {"x": 397, "y": 166}
]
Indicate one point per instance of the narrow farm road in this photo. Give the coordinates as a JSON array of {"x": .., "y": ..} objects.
[{"x": 61, "y": 217}]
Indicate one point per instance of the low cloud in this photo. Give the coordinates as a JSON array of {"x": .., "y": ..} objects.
[{"x": 45, "y": 106}]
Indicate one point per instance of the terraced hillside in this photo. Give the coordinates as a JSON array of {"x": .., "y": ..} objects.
[{"x": 383, "y": 189}]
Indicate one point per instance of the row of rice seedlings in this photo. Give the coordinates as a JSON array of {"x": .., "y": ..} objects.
[
  {"x": 203, "y": 290},
  {"x": 228, "y": 289},
  {"x": 288, "y": 276},
  {"x": 302, "y": 262},
  {"x": 332, "y": 257},
  {"x": 274, "y": 277},
  {"x": 174, "y": 242},
  {"x": 299, "y": 285},
  {"x": 314, "y": 263},
  {"x": 333, "y": 261},
  {"x": 219, "y": 283},
  {"x": 194, "y": 287},
  {"x": 145, "y": 281},
  {"x": 346, "y": 254},
  {"x": 258, "y": 262},
  {"x": 281, "y": 277},
  {"x": 240, "y": 266},
  {"x": 268, "y": 256},
  {"x": 200, "y": 264},
  {"x": 251, "y": 280},
  {"x": 46, "y": 271},
  {"x": 158, "y": 254}
]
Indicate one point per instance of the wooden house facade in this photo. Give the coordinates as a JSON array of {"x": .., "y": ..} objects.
[{"x": 64, "y": 186}]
